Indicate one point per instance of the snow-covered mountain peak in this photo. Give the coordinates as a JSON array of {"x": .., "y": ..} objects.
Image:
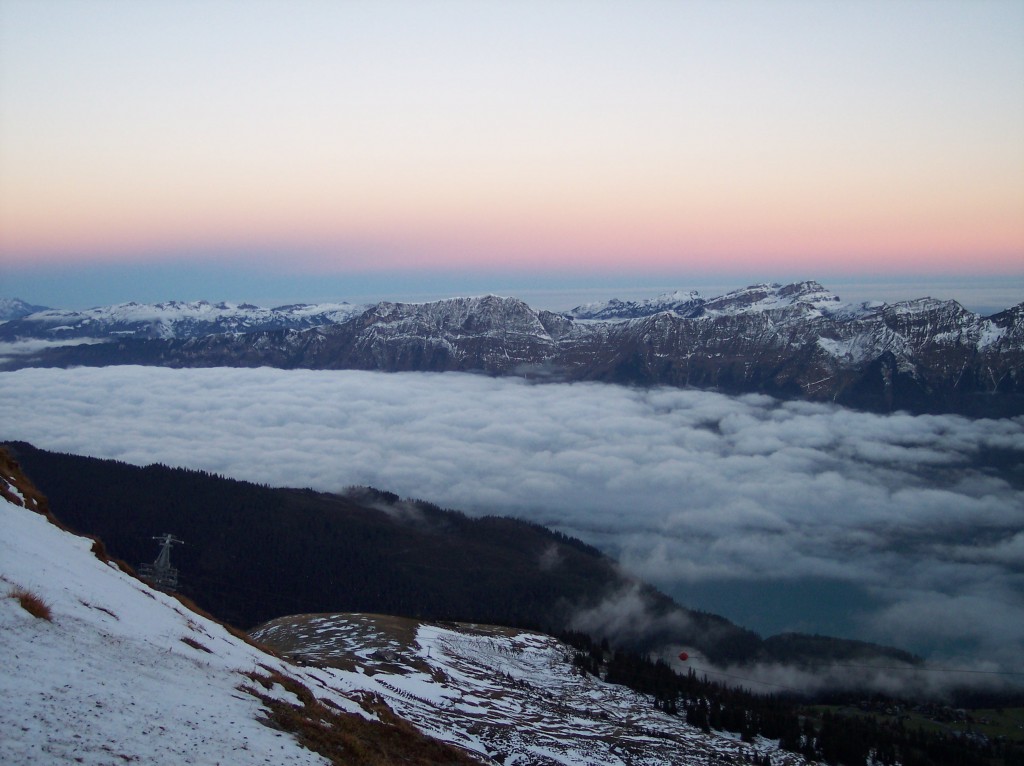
[
  {"x": 924, "y": 306},
  {"x": 480, "y": 315},
  {"x": 685, "y": 303},
  {"x": 805, "y": 297},
  {"x": 15, "y": 308}
]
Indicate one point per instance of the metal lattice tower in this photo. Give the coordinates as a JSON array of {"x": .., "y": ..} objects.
[{"x": 160, "y": 573}]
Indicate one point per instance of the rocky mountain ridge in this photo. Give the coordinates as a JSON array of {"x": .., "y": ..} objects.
[
  {"x": 789, "y": 341},
  {"x": 172, "y": 319},
  {"x": 798, "y": 297}
]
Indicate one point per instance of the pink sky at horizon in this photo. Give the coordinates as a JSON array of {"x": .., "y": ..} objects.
[{"x": 735, "y": 137}]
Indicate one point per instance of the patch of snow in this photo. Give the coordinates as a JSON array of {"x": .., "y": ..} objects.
[
  {"x": 851, "y": 351},
  {"x": 513, "y": 696},
  {"x": 991, "y": 333}
]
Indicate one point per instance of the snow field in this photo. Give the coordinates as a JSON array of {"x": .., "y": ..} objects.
[{"x": 109, "y": 679}]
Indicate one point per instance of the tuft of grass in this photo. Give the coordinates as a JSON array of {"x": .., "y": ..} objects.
[
  {"x": 31, "y": 603},
  {"x": 195, "y": 645},
  {"x": 103, "y": 609},
  {"x": 99, "y": 550},
  {"x": 16, "y": 483}
]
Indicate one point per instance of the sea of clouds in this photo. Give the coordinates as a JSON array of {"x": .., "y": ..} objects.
[{"x": 924, "y": 514}]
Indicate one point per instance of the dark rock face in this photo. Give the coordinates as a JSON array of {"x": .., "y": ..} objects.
[{"x": 793, "y": 341}]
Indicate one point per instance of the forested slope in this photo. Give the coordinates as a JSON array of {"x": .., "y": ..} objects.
[{"x": 252, "y": 553}]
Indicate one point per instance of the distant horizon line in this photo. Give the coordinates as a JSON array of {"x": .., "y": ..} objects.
[{"x": 982, "y": 295}]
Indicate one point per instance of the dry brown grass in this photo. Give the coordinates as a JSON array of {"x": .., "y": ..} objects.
[
  {"x": 99, "y": 550},
  {"x": 345, "y": 738},
  {"x": 31, "y": 497},
  {"x": 196, "y": 645},
  {"x": 103, "y": 609},
  {"x": 31, "y": 603}
]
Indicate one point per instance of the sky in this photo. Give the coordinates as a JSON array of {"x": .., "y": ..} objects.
[
  {"x": 312, "y": 150},
  {"x": 781, "y": 516}
]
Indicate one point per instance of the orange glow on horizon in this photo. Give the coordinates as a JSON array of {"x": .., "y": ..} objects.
[{"x": 520, "y": 221}]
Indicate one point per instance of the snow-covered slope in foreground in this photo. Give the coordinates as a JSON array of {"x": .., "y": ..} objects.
[
  {"x": 121, "y": 673},
  {"x": 110, "y": 678}
]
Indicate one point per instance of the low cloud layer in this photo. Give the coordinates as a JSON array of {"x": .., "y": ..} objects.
[{"x": 924, "y": 515}]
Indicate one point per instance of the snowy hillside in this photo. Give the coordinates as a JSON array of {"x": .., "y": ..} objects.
[
  {"x": 120, "y": 672},
  {"x": 512, "y": 694},
  {"x": 117, "y": 672}
]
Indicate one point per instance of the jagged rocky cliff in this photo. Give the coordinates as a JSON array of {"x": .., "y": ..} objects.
[{"x": 792, "y": 341}]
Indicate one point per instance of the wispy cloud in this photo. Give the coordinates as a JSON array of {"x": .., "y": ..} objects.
[
  {"x": 685, "y": 487},
  {"x": 34, "y": 345}
]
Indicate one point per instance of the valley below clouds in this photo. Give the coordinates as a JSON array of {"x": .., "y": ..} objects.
[{"x": 900, "y": 529}]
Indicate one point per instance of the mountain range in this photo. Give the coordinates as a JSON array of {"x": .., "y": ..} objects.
[{"x": 789, "y": 341}]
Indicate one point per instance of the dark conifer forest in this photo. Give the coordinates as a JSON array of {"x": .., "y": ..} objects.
[
  {"x": 853, "y": 734},
  {"x": 252, "y": 552}
]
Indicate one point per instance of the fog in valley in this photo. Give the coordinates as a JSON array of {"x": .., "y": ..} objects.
[{"x": 780, "y": 515}]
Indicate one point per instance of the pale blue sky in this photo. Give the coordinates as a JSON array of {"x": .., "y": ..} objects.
[{"x": 497, "y": 144}]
